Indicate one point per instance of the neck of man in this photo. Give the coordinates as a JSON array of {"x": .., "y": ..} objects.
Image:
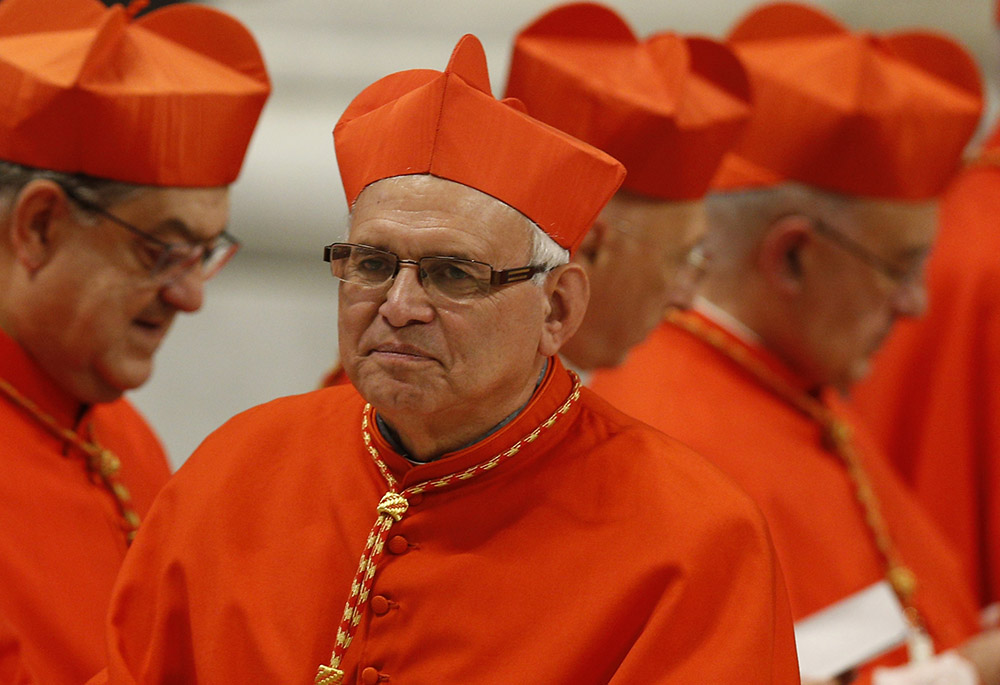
[
  {"x": 421, "y": 440},
  {"x": 761, "y": 319}
]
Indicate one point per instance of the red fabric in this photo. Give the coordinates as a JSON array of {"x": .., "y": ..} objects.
[
  {"x": 682, "y": 386},
  {"x": 934, "y": 393},
  {"x": 602, "y": 553},
  {"x": 13, "y": 669},
  {"x": 62, "y": 542},
  {"x": 169, "y": 99},
  {"x": 667, "y": 107},
  {"x": 449, "y": 124},
  {"x": 847, "y": 111}
]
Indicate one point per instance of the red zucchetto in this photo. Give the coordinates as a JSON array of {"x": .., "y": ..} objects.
[
  {"x": 169, "y": 99},
  {"x": 448, "y": 124},
  {"x": 877, "y": 116},
  {"x": 667, "y": 108}
]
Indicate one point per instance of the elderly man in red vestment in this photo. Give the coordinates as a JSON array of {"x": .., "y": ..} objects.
[
  {"x": 511, "y": 526},
  {"x": 819, "y": 238},
  {"x": 118, "y": 138},
  {"x": 667, "y": 108},
  {"x": 933, "y": 396}
]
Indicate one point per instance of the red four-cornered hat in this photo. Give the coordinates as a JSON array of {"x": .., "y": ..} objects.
[
  {"x": 169, "y": 99},
  {"x": 878, "y": 116},
  {"x": 448, "y": 124},
  {"x": 667, "y": 108}
]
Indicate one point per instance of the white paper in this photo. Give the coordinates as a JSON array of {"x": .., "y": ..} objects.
[{"x": 850, "y": 633}]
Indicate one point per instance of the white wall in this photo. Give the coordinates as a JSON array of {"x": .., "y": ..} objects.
[{"x": 268, "y": 327}]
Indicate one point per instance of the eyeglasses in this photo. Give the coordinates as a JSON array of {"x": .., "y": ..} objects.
[
  {"x": 694, "y": 267},
  {"x": 451, "y": 277},
  {"x": 168, "y": 261},
  {"x": 893, "y": 272}
]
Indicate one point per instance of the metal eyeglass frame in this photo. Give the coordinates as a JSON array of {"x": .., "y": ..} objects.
[
  {"x": 498, "y": 278},
  {"x": 163, "y": 264},
  {"x": 891, "y": 271}
]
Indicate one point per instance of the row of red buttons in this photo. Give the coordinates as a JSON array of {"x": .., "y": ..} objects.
[{"x": 380, "y": 604}]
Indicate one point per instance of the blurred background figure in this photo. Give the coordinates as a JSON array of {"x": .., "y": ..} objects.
[
  {"x": 824, "y": 217},
  {"x": 933, "y": 396},
  {"x": 118, "y": 139},
  {"x": 667, "y": 108}
]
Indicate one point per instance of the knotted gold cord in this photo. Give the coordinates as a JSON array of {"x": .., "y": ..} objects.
[
  {"x": 391, "y": 508},
  {"x": 100, "y": 460},
  {"x": 838, "y": 438}
]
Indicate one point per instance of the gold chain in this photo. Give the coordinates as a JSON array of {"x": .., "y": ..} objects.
[
  {"x": 838, "y": 438},
  {"x": 391, "y": 509},
  {"x": 100, "y": 460}
]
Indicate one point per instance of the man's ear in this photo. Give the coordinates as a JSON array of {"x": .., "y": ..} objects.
[
  {"x": 779, "y": 259},
  {"x": 37, "y": 206},
  {"x": 567, "y": 290}
]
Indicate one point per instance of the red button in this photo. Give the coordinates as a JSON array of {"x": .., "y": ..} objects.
[
  {"x": 398, "y": 544},
  {"x": 369, "y": 676},
  {"x": 380, "y": 605}
]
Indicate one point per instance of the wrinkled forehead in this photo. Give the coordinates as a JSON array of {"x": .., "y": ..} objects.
[{"x": 422, "y": 207}]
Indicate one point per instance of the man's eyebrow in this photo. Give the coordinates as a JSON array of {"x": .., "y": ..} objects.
[{"x": 456, "y": 253}]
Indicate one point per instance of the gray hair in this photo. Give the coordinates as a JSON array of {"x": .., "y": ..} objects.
[
  {"x": 13, "y": 177},
  {"x": 738, "y": 220}
]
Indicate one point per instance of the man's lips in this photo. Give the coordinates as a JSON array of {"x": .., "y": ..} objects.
[
  {"x": 154, "y": 328},
  {"x": 402, "y": 352}
]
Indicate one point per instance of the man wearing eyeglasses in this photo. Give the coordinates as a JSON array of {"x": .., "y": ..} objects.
[
  {"x": 463, "y": 511},
  {"x": 118, "y": 139},
  {"x": 655, "y": 107},
  {"x": 667, "y": 108},
  {"x": 823, "y": 220}
]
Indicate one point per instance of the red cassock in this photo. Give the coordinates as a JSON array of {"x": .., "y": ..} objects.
[
  {"x": 933, "y": 397},
  {"x": 601, "y": 552},
  {"x": 62, "y": 539},
  {"x": 687, "y": 388}
]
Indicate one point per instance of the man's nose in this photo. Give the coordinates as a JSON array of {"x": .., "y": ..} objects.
[
  {"x": 406, "y": 301},
  {"x": 186, "y": 292}
]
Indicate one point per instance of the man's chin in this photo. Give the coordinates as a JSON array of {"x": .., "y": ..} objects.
[
  {"x": 858, "y": 372},
  {"x": 394, "y": 392},
  {"x": 121, "y": 378}
]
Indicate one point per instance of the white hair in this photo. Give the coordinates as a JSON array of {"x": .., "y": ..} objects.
[{"x": 545, "y": 252}]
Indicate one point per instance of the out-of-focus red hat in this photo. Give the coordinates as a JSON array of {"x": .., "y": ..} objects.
[
  {"x": 877, "y": 116},
  {"x": 668, "y": 108},
  {"x": 448, "y": 124},
  {"x": 169, "y": 99}
]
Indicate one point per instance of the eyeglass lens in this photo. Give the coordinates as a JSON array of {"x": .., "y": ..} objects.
[{"x": 372, "y": 268}]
